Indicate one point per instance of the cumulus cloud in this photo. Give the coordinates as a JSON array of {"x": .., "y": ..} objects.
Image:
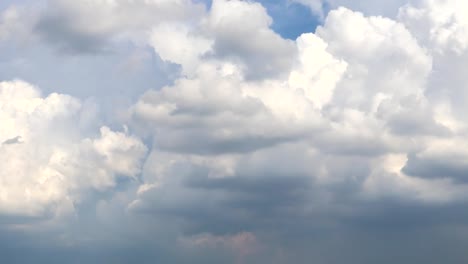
[
  {"x": 439, "y": 24},
  {"x": 357, "y": 101},
  {"x": 218, "y": 35},
  {"x": 54, "y": 164},
  {"x": 260, "y": 146}
]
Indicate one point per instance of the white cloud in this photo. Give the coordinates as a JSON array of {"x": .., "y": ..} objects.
[
  {"x": 175, "y": 43},
  {"x": 358, "y": 87},
  {"x": 442, "y": 25},
  {"x": 319, "y": 72},
  {"x": 257, "y": 131},
  {"x": 256, "y": 49},
  {"x": 54, "y": 165}
]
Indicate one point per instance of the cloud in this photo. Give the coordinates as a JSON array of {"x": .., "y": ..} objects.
[
  {"x": 258, "y": 149},
  {"x": 254, "y": 45},
  {"x": 316, "y": 6},
  {"x": 13, "y": 26},
  {"x": 359, "y": 118},
  {"x": 89, "y": 27},
  {"x": 381, "y": 8},
  {"x": 15, "y": 140},
  {"x": 55, "y": 165},
  {"x": 440, "y": 159},
  {"x": 218, "y": 35},
  {"x": 441, "y": 25}
]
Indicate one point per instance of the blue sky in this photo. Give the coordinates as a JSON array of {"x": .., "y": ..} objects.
[
  {"x": 233, "y": 131},
  {"x": 291, "y": 19}
]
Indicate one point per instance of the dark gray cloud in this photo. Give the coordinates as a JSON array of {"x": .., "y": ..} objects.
[{"x": 448, "y": 166}]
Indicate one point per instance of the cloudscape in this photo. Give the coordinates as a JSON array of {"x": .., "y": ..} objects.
[{"x": 234, "y": 131}]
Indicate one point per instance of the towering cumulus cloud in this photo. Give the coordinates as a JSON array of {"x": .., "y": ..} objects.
[{"x": 347, "y": 144}]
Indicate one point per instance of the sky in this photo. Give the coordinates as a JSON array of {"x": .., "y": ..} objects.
[{"x": 234, "y": 131}]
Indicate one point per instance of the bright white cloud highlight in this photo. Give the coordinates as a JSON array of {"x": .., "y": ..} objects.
[{"x": 52, "y": 165}]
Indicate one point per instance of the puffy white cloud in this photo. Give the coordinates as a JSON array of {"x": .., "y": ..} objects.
[
  {"x": 358, "y": 88},
  {"x": 177, "y": 44},
  {"x": 441, "y": 27},
  {"x": 406, "y": 66},
  {"x": 47, "y": 163},
  {"x": 318, "y": 72},
  {"x": 441, "y": 24},
  {"x": 257, "y": 50},
  {"x": 254, "y": 46}
]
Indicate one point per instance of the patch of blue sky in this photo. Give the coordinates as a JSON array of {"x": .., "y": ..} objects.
[{"x": 290, "y": 19}]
